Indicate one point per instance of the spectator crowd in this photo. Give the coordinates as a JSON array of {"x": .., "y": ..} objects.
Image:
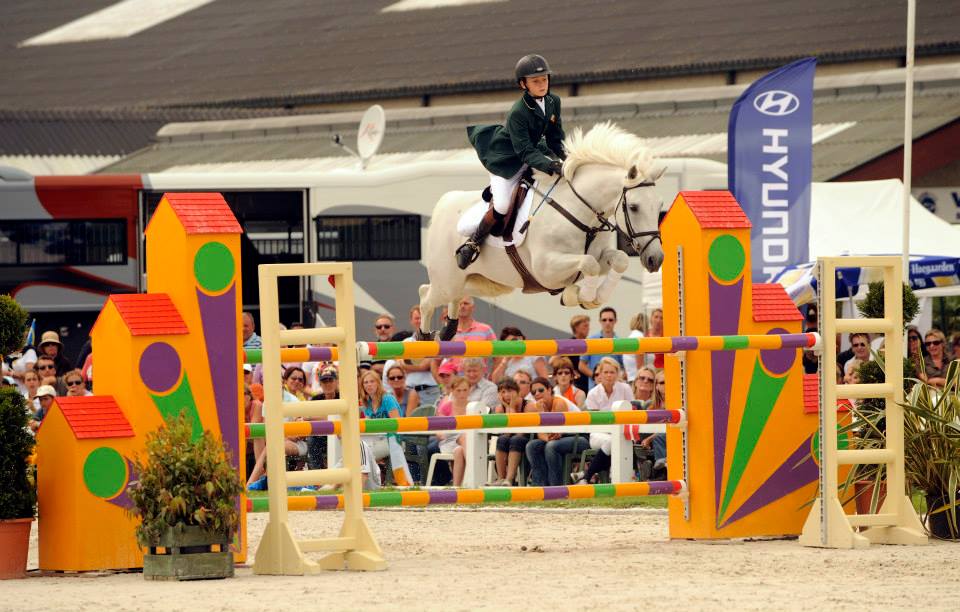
[{"x": 452, "y": 386}]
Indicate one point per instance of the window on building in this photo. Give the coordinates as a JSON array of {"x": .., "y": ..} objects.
[
  {"x": 74, "y": 242},
  {"x": 368, "y": 237}
]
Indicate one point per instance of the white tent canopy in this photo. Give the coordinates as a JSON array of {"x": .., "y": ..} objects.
[{"x": 862, "y": 218}]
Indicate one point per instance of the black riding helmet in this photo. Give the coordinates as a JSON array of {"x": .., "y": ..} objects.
[{"x": 531, "y": 65}]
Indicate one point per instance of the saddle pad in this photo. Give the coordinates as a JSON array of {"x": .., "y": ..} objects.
[{"x": 470, "y": 219}]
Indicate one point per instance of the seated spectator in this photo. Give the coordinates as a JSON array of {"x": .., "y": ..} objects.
[
  {"x": 508, "y": 366},
  {"x": 955, "y": 347},
  {"x": 45, "y": 396},
  {"x": 643, "y": 386},
  {"x": 580, "y": 328},
  {"x": 444, "y": 372},
  {"x": 564, "y": 376},
  {"x": 658, "y": 441},
  {"x": 75, "y": 385},
  {"x": 317, "y": 445},
  {"x": 31, "y": 383},
  {"x": 602, "y": 397},
  {"x": 852, "y": 374},
  {"x": 375, "y": 403},
  {"x": 23, "y": 363},
  {"x": 294, "y": 381},
  {"x": 655, "y": 331},
  {"x": 523, "y": 380},
  {"x": 408, "y": 399},
  {"x": 859, "y": 349},
  {"x": 47, "y": 371},
  {"x": 51, "y": 347},
  {"x": 481, "y": 389},
  {"x": 632, "y": 361},
  {"x": 510, "y": 447},
  {"x": 293, "y": 446},
  {"x": 546, "y": 452},
  {"x": 252, "y": 413},
  {"x": 453, "y": 442},
  {"x": 935, "y": 366}
]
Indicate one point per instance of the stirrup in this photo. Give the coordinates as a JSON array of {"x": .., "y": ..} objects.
[{"x": 467, "y": 253}]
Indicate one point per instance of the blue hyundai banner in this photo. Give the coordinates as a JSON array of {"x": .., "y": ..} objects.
[{"x": 769, "y": 153}]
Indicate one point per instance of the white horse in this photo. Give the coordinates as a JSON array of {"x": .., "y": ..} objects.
[{"x": 570, "y": 247}]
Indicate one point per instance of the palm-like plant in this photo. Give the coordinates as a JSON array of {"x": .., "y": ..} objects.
[{"x": 931, "y": 431}]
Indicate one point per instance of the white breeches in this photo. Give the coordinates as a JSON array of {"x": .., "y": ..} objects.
[{"x": 502, "y": 189}]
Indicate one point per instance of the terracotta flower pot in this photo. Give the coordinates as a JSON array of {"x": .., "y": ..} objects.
[
  {"x": 14, "y": 542},
  {"x": 863, "y": 489}
]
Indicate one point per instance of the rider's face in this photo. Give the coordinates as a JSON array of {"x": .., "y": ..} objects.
[{"x": 537, "y": 85}]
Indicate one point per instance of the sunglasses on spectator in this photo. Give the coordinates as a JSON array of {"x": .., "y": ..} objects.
[
  {"x": 401, "y": 377},
  {"x": 933, "y": 342},
  {"x": 539, "y": 390},
  {"x": 644, "y": 379},
  {"x": 387, "y": 326},
  {"x": 917, "y": 338},
  {"x": 859, "y": 344},
  {"x": 74, "y": 383}
]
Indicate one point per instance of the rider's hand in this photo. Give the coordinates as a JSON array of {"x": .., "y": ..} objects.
[{"x": 556, "y": 168}]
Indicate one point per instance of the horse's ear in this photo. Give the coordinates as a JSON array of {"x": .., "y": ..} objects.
[{"x": 660, "y": 173}]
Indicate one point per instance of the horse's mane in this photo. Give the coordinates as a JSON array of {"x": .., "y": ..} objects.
[{"x": 605, "y": 143}]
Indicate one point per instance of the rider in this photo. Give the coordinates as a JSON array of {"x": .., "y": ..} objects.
[{"x": 532, "y": 137}]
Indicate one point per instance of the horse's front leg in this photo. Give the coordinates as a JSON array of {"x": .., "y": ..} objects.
[
  {"x": 615, "y": 263},
  {"x": 565, "y": 265}
]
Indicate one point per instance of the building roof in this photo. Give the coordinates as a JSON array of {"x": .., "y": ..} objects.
[
  {"x": 203, "y": 213},
  {"x": 716, "y": 209},
  {"x": 771, "y": 303},
  {"x": 149, "y": 314},
  {"x": 236, "y": 53},
  {"x": 94, "y": 416},
  {"x": 857, "y": 118}
]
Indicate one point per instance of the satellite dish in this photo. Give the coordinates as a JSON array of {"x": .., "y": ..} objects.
[{"x": 370, "y": 132}]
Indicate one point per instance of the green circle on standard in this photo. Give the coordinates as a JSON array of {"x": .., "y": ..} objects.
[
  {"x": 213, "y": 266},
  {"x": 726, "y": 258},
  {"x": 105, "y": 472}
]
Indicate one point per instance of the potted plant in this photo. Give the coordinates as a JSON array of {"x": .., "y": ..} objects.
[
  {"x": 18, "y": 495},
  {"x": 185, "y": 493}
]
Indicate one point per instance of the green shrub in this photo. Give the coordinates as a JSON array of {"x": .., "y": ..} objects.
[
  {"x": 13, "y": 325},
  {"x": 184, "y": 482},
  {"x": 18, "y": 496},
  {"x": 872, "y": 306}
]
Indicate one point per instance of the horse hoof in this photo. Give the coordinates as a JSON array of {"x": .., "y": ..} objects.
[
  {"x": 449, "y": 330},
  {"x": 422, "y": 336}
]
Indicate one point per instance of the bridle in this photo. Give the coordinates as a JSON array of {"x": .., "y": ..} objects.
[{"x": 603, "y": 223}]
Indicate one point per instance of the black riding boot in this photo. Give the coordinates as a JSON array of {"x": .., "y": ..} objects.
[{"x": 470, "y": 250}]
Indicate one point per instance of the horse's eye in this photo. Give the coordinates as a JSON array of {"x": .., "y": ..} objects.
[{"x": 634, "y": 208}]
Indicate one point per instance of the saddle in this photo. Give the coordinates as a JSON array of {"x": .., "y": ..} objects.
[{"x": 505, "y": 227}]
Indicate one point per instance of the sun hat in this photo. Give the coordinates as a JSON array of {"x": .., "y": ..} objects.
[
  {"x": 248, "y": 367},
  {"x": 50, "y": 337},
  {"x": 43, "y": 390}
]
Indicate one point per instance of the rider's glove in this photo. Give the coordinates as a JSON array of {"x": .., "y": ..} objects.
[{"x": 556, "y": 168}]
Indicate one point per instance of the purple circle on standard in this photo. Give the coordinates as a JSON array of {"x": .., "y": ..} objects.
[
  {"x": 159, "y": 367},
  {"x": 778, "y": 361}
]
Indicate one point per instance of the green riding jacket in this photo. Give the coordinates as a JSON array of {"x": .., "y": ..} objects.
[{"x": 529, "y": 137}]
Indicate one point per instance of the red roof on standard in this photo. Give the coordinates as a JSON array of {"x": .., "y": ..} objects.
[
  {"x": 203, "y": 213},
  {"x": 771, "y": 303},
  {"x": 715, "y": 209},
  {"x": 811, "y": 393},
  {"x": 94, "y": 416},
  {"x": 149, "y": 314}
]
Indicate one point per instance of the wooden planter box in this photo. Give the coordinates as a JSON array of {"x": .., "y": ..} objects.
[{"x": 185, "y": 553}]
